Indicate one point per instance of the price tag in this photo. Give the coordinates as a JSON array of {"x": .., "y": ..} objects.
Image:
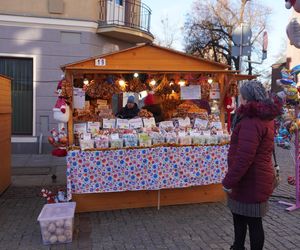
[
  {"x": 195, "y": 134},
  {"x": 206, "y": 132},
  {"x": 122, "y": 123},
  {"x": 109, "y": 123},
  {"x": 79, "y": 128},
  {"x": 136, "y": 123},
  {"x": 215, "y": 91},
  {"x": 200, "y": 123},
  {"x": 87, "y": 136},
  {"x": 93, "y": 127},
  {"x": 219, "y": 132},
  {"x": 78, "y": 98},
  {"x": 181, "y": 133},
  {"x": 217, "y": 125},
  {"x": 184, "y": 122},
  {"x": 149, "y": 122},
  {"x": 166, "y": 124},
  {"x": 114, "y": 136}
]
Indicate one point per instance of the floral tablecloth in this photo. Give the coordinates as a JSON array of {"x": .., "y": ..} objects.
[{"x": 144, "y": 168}]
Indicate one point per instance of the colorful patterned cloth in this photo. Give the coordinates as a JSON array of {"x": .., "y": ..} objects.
[{"x": 145, "y": 168}]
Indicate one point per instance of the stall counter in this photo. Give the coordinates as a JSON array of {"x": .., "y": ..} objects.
[{"x": 136, "y": 173}]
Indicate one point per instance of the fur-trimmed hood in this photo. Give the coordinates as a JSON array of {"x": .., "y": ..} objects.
[{"x": 265, "y": 110}]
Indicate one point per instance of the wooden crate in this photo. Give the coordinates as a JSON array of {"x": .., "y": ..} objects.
[{"x": 5, "y": 133}]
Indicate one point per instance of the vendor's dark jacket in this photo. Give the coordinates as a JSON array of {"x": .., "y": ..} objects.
[
  {"x": 126, "y": 113},
  {"x": 250, "y": 168},
  {"x": 155, "y": 109}
]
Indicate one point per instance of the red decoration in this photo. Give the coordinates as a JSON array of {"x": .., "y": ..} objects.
[
  {"x": 50, "y": 197},
  {"x": 58, "y": 140},
  {"x": 230, "y": 102}
]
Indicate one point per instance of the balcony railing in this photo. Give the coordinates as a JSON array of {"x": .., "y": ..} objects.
[{"x": 124, "y": 13}]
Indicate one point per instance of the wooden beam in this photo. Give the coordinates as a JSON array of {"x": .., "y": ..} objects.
[
  {"x": 137, "y": 199},
  {"x": 5, "y": 132},
  {"x": 221, "y": 80},
  {"x": 69, "y": 78},
  {"x": 120, "y": 71}
]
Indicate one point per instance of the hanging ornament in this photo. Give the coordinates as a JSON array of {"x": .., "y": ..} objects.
[
  {"x": 290, "y": 91},
  {"x": 293, "y": 3},
  {"x": 293, "y": 32}
]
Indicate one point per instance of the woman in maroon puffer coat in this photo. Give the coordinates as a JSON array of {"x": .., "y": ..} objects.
[{"x": 249, "y": 181}]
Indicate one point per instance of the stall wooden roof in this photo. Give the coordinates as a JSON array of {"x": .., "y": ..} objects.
[{"x": 148, "y": 58}]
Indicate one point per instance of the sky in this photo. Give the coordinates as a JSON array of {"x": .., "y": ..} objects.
[{"x": 177, "y": 9}]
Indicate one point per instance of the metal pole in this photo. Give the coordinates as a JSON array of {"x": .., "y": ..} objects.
[
  {"x": 297, "y": 161},
  {"x": 241, "y": 48}
]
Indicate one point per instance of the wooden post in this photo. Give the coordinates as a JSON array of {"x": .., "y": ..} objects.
[
  {"x": 221, "y": 80},
  {"x": 69, "y": 78},
  {"x": 5, "y": 132}
]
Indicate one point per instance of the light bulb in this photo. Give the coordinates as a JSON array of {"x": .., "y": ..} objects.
[
  {"x": 152, "y": 82},
  {"x": 86, "y": 81},
  {"x": 136, "y": 75},
  {"x": 210, "y": 80},
  {"x": 171, "y": 83},
  {"x": 181, "y": 83},
  {"x": 121, "y": 82}
]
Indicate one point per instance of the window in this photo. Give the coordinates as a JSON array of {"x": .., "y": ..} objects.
[
  {"x": 21, "y": 72},
  {"x": 119, "y": 2}
]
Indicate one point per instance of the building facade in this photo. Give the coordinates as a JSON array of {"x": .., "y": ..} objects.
[{"x": 38, "y": 36}]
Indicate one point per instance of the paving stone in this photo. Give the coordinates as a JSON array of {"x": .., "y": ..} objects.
[{"x": 196, "y": 226}]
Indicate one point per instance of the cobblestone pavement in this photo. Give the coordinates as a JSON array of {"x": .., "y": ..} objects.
[{"x": 200, "y": 226}]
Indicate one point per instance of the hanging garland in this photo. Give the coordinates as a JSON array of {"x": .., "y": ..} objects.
[
  {"x": 135, "y": 85},
  {"x": 102, "y": 89},
  {"x": 66, "y": 91}
]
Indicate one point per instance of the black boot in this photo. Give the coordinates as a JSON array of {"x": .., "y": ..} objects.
[{"x": 232, "y": 248}]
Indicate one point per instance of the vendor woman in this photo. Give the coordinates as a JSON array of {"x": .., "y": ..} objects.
[
  {"x": 153, "y": 107},
  {"x": 130, "y": 111}
]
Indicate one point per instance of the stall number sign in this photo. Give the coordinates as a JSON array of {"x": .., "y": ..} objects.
[{"x": 100, "y": 62}]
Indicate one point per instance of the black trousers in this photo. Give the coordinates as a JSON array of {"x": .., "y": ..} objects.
[{"x": 256, "y": 232}]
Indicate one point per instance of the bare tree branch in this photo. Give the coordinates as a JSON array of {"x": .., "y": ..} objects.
[{"x": 208, "y": 28}]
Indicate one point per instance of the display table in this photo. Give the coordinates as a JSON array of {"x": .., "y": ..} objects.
[{"x": 101, "y": 180}]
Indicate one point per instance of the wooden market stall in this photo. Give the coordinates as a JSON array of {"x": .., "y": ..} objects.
[
  {"x": 152, "y": 60},
  {"x": 5, "y": 132}
]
